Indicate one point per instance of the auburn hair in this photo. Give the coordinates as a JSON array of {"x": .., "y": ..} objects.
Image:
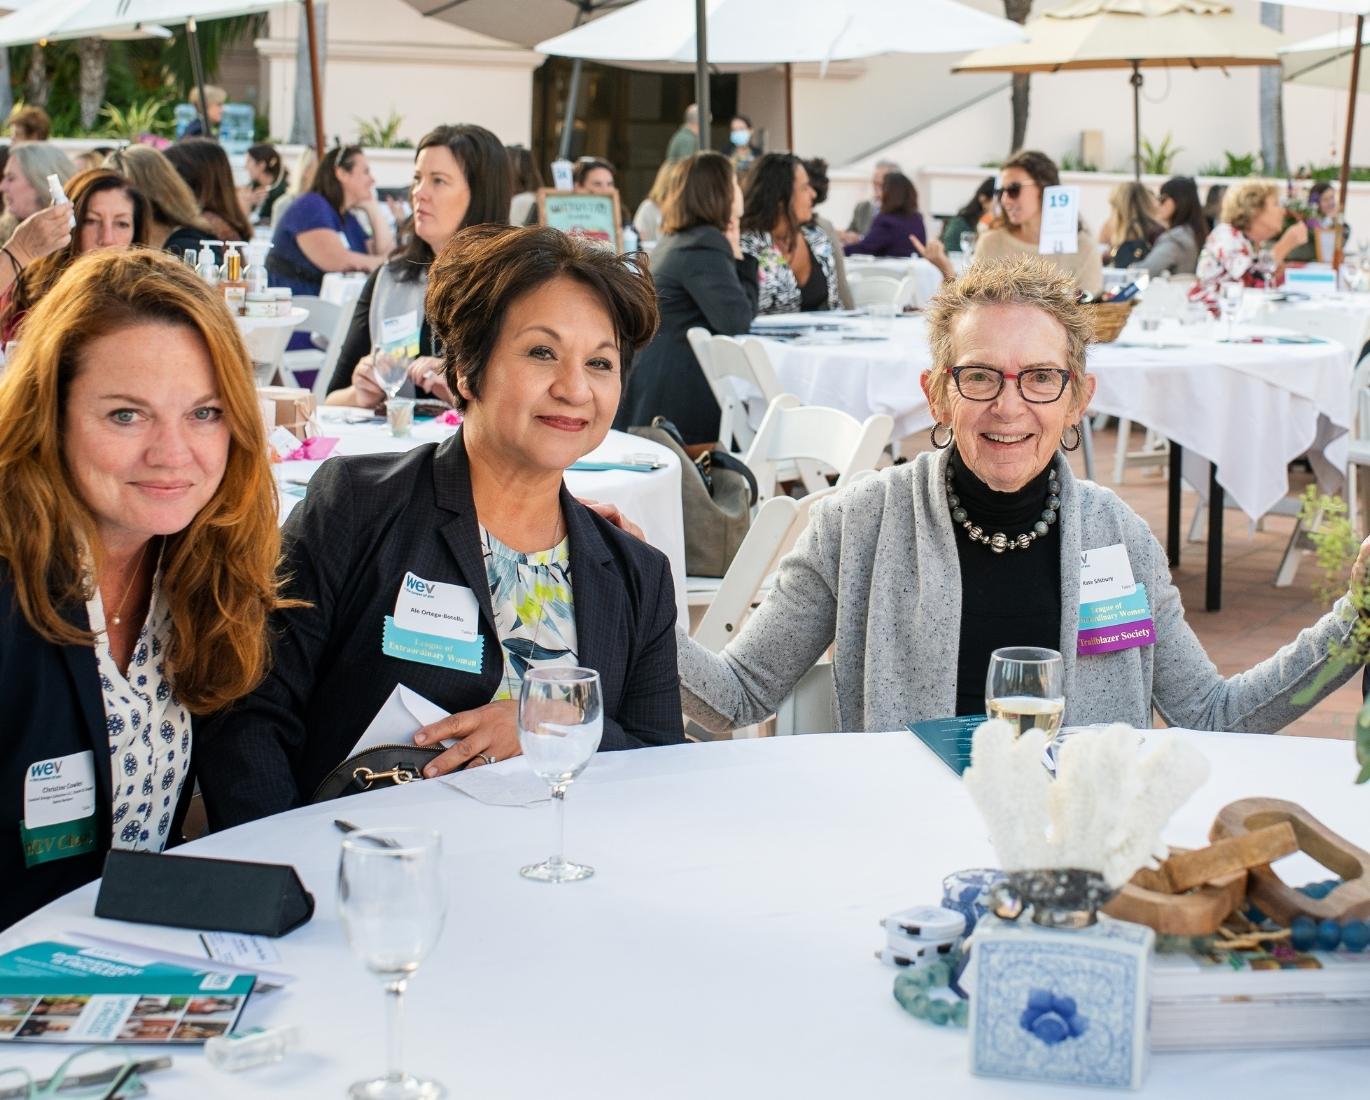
[{"x": 219, "y": 573}]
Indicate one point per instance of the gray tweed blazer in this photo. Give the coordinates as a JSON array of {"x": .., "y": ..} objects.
[{"x": 876, "y": 577}]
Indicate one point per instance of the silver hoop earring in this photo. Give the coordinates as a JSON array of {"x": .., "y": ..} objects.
[
  {"x": 1078, "y": 437},
  {"x": 942, "y": 446}
]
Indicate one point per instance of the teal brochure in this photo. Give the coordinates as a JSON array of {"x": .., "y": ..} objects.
[{"x": 949, "y": 738}]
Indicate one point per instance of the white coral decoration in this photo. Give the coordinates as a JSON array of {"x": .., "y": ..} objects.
[{"x": 1103, "y": 812}]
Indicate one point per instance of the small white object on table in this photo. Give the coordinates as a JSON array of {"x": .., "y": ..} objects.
[
  {"x": 342, "y": 288},
  {"x": 650, "y": 499},
  {"x": 739, "y": 883}
]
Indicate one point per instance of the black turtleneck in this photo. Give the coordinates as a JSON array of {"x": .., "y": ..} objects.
[{"x": 1007, "y": 599}]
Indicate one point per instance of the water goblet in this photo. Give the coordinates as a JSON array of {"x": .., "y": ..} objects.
[
  {"x": 392, "y": 903},
  {"x": 1230, "y": 304},
  {"x": 1025, "y": 686},
  {"x": 560, "y": 719},
  {"x": 967, "y": 244},
  {"x": 391, "y": 368}
]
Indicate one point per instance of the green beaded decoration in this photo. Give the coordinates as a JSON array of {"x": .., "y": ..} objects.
[{"x": 911, "y": 989}]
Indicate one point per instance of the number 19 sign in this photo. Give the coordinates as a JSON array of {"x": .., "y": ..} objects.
[{"x": 1060, "y": 220}]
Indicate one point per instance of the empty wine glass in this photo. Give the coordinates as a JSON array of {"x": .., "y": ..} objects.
[
  {"x": 1025, "y": 687},
  {"x": 561, "y": 719},
  {"x": 1230, "y": 304},
  {"x": 392, "y": 903},
  {"x": 391, "y": 368},
  {"x": 967, "y": 245}
]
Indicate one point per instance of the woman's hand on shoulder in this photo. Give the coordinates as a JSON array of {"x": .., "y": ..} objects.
[
  {"x": 41, "y": 234},
  {"x": 614, "y": 516},
  {"x": 488, "y": 731}
]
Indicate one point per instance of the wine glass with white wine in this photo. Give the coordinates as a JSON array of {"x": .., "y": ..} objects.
[{"x": 1025, "y": 687}]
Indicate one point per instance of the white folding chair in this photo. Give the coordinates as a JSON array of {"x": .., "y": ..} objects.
[
  {"x": 328, "y": 321},
  {"x": 1358, "y": 444},
  {"x": 791, "y": 432},
  {"x": 874, "y": 288},
  {"x": 736, "y": 370}
]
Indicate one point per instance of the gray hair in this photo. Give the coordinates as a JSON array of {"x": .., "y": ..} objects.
[
  {"x": 888, "y": 165},
  {"x": 37, "y": 161},
  {"x": 692, "y": 113}
]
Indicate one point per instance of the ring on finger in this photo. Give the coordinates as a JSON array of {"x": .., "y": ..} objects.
[{"x": 487, "y": 757}]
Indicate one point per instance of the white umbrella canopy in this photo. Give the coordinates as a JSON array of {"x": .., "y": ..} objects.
[
  {"x": 60, "y": 19},
  {"x": 522, "y": 22},
  {"x": 1324, "y": 61}
]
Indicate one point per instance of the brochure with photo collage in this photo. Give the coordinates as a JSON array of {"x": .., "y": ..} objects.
[{"x": 63, "y": 993}]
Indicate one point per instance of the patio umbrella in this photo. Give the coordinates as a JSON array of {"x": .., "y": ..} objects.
[
  {"x": 755, "y": 33},
  {"x": 61, "y": 19},
  {"x": 1133, "y": 34}
]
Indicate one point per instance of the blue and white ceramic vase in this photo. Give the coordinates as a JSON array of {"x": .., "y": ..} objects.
[{"x": 1059, "y": 993}]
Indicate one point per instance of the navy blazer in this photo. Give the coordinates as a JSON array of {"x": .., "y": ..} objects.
[
  {"x": 52, "y": 708},
  {"x": 366, "y": 521}
]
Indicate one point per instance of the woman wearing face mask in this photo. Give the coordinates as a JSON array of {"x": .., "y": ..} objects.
[
  {"x": 1025, "y": 176},
  {"x": 795, "y": 267},
  {"x": 742, "y": 153},
  {"x": 461, "y": 178}
]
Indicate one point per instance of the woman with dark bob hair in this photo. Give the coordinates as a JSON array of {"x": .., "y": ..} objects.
[
  {"x": 138, "y": 555},
  {"x": 536, "y": 329},
  {"x": 795, "y": 266},
  {"x": 461, "y": 178},
  {"x": 702, "y": 280}
]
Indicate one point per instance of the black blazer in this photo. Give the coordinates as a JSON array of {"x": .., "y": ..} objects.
[
  {"x": 698, "y": 284},
  {"x": 52, "y": 708},
  {"x": 366, "y": 521}
]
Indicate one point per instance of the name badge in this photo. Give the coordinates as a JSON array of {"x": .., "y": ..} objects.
[
  {"x": 59, "y": 808},
  {"x": 401, "y": 333},
  {"x": 435, "y": 623},
  {"x": 1114, "y": 612}
]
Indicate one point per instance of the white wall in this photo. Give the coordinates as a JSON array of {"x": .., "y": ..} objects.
[{"x": 383, "y": 56}]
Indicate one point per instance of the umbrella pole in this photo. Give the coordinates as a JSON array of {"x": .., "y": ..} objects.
[
  {"x": 311, "y": 31},
  {"x": 702, "y": 71},
  {"x": 1345, "y": 180},
  {"x": 197, "y": 74},
  {"x": 789, "y": 106},
  {"x": 1137, "y": 121},
  {"x": 568, "y": 122}
]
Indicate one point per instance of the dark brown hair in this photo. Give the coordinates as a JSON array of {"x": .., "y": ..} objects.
[
  {"x": 702, "y": 195},
  {"x": 340, "y": 158},
  {"x": 898, "y": 195},
  {"x": 1039, "y": 166},
  {"x": 30, "y": 124},
  {"x": 523, "y": 169},
  {"x": 269, "y": 158},
  {"x": 204, "y": 166},
  {"x": 482, "y": 270},
  {"x": 586, "y": 165}
]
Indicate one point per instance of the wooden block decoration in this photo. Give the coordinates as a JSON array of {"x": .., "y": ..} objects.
[
  {"x": 1147, "y": 900},
  {"x": 1185, "y": 870}
]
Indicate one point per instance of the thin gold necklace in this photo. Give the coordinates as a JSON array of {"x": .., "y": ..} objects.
[{"x": 117, "y": 617}]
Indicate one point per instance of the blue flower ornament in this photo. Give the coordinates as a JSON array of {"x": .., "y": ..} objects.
[{"x": 1052, "y": 1019}]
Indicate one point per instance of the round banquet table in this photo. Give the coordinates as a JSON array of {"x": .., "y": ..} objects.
[
  {"x": 724, "y": 947},
  {"x": 651, "y": 499}
]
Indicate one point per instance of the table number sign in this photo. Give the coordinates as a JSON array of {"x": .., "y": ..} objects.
[{"x": 1060, "y": 221}]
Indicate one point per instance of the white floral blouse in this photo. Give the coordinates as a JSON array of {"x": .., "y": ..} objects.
[
  {"x": 778, "y": 290},
  {"x": 1227, "y": 257},
  {"x": 530, "y": 595},
  {"x": 149, "y": 729}
]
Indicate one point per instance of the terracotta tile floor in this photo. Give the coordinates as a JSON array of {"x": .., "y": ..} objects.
[{"x": 1257, "y": 618}]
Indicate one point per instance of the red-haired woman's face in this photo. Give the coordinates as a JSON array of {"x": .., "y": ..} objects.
[
  {"x": 107, "y": 223},
  {"x": 144, "y": 433}
]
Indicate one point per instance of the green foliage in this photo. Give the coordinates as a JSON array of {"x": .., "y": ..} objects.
[
  {"x": 139, "y": 118},
  {"x": 1072, "y": 163},
  {"x": 382, "y": 133},
  {"x": 1158, "y": 160},
  {"x": 1233, "y": 164},
  {"x": 1332, "y": 173}
]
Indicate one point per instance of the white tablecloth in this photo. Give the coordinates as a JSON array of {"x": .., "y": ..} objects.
[
  {"x": 723, "y": 948},
  {"x": 1344, "y": 318},
  {"x": 1249, "y": 408},
  {"x": 651, "y": 500}
]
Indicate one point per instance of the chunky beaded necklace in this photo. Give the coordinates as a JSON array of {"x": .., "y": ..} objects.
[{"x": 999, "y": 542}]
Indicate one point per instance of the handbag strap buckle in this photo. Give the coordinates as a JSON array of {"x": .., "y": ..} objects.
[{"x": 399, "y": 774}]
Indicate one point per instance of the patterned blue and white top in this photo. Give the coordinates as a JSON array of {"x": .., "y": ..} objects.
[
  {"x": 149, "y": 729},
  {"x": 535, "y": 616}
]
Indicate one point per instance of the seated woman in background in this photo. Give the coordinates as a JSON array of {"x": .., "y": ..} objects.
[
  {"x": 1024, "y": 177},
  {"x": 594, "y": 176},
  {"x": 979, "y": 545},
  {"x": 461, "y": 178},
  {"x": 897, "y": 221},
  {"x": 1252, "y": 215},
  {"x": 176, "y": 224},
  {"x": 1176, "y": 251},
  {"x": 526, "y": 183},
  {"x": 977, "y": 212},
  {"x": 24, "y": 181},
  {"x": 1322, "y": 197},
  {"x": 795, "y": 267},
  {"x": 536, "y": 328},
  {"x": 817, "y": 168},
  {"x": 109, "y": 213},
  {"x": 319, "y": 232},
  {"x": 647, "y": 217},
  {"x": 702, "y": 280},
  {"x": 203, "y": 164},
  {"x": 1131, "y": 226},
  {"x": 138, "y": 554},
  {"x": 270, "y": 180}
]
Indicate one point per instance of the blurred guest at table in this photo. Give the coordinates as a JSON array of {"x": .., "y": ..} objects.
[
  {"x": 320, "y": 232},
  {"x": 742, "y": 152},
  {"x": 1322, "y": 198},
  {"x": 685, "y": 141},
  {"x": 1024, "y": 177},
  {"x": 1252, "y": 215},
  {"x": 979, "y": 211},
  {"x": 1176, "y": 251},
  {"x": 897, "y": 221},
  {"x": 702, "y": 280},
  {"x": 269, "y": 181},
  {"x": 796, "y": 270},
  {"x": 461, "y": 178},
  {"x": 647, "y": 217},
  {"x": 24, "y": 183},
  {"x": 301, "y": 180},
  {"x": 109, "y": 213},
  {"x": 92, "y": 158},
  {"x": 817, "y": 168},
  {"x": 138, "y": 555},
  {"x": 526, "y": 182},
  {"x": 38, "y": 235},
  {"x": 215, "y": 98},
  {"x": 1131, "y": 227},
  {"x": 177, "y": 224},
  {"x": 593, "y": 176},
  {"x": 1213, "y": 204},
  {"x": 204, "y": 166},
  {"x": 29, "y": 124},
  {"x": 915, "y": 575},
  {"x": 866, "y": 209},
  {"x": 536, "y": 329}
]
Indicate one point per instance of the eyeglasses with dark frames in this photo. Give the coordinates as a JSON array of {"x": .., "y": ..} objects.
[{"x": 1036, "y": 385}]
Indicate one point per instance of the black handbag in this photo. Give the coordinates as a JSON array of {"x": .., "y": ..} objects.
[
  {"x": 717, "y": 491},
  {"x": 376, "y": 768}
]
